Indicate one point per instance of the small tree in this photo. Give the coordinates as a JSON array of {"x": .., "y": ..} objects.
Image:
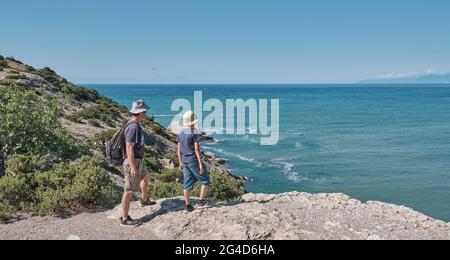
[
  {"x": 29, "y": 125},
  {"x": 3, "y": 64}
]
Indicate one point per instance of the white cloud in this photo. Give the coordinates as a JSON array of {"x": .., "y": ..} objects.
[{"x": 429, "y": 72}]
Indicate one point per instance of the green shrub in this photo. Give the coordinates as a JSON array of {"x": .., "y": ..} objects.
[
  {"x": 13, "y": 59},
  {"x": 170, "y": 175},
  {"x": 16, "y": 76},
  {"x": 109, "y": 103},
  {"x": 173, "y": 156},
  {"x": 67, "y": 187},
  {"x": 17, "y": 191},
  {"x": 74, "y": 118},
  {"x": 80, "y": 93},
  {"x": 224, "y": 187},
  {"x": 1, "y": 57},
  {"x": 6, "y": 212},
  {"x": 98, "y": 141},
  {"x": 150, "y": 124},
  {"x": 3, "y": 64},
  {"x": 93, "y": 122},
  {"x": 30, "y": 69},
  {"x": 7, "y": 83},
  {"x": 49, "y": 75},
  {"x": 30, "y": 125},
  {"x": 160, "y": 190},
  {"x": 75, "y": 186},
  {"x": 97, "y": 112},
  {"x": 152, "y": 164},
  {"x": 20, "y": 164},
  {"x": 158, "y": 129}
]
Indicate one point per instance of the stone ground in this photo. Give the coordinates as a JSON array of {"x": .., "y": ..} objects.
[{"x": 292, "y": 216}]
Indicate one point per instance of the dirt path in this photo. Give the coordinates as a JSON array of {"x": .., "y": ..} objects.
[{"x": 87, "y": 226}]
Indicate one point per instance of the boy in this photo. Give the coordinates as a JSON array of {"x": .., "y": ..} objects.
[{"x": 191, "y": 161}]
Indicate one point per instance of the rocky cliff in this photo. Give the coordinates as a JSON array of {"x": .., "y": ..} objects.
[{"x": 291, "y": 216}]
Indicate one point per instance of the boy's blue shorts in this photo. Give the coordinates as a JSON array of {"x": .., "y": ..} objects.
[{"x": 191, "y": 173}]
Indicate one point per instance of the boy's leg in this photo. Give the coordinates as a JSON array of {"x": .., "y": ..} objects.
[
  {"x": 189, "y": 180},
  {"x": 204, "y": 179},
  {"x": 126, "y": 201},
  {"x": 203, "y": 191},
  {"x": 187, "y": 197}
]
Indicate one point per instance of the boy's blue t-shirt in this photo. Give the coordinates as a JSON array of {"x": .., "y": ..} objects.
[{"x": 187, "y": 138}]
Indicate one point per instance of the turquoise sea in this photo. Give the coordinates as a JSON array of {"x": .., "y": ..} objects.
[{"x": 372, "y": 142}]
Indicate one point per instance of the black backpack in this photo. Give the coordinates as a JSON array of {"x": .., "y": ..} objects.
[{"x": 115, "y": 148}]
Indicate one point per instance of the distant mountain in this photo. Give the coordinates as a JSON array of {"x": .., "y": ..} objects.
[{"x": 428, "y": 77}]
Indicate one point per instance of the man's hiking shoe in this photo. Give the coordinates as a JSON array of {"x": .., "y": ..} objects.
[
  {"x": 129, "y": 222},
  {"x": 202, "y": 203},
  {"x": 188, "y": 209},
  {"x": 147, "y": 203}
]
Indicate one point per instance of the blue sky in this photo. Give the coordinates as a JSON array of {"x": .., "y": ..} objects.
[{"x": 227, "y": 41}]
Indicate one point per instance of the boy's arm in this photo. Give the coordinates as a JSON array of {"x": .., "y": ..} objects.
[
  {"x": 198, "y": 152},
  {"x": 179, "y": 156}
]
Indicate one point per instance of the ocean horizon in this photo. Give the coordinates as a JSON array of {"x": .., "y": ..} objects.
[{"x": 386, "y": 142}]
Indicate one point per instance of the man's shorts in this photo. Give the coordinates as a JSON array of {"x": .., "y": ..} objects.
[
  {"x": 191, "y": 173},
  {"x": 133, "y": 184}
]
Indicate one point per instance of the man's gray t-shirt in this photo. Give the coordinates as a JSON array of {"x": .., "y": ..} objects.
[
  {"x": 135, "y": 135},
  {"x": 187, "y": 138}
]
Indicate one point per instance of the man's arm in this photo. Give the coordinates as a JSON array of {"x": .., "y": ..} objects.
[
  {"x": 132, "y": 160},
  {"x": 198, "y": 152}
]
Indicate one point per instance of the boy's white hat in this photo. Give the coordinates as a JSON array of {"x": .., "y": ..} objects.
[{"x": 189, "y": 119}]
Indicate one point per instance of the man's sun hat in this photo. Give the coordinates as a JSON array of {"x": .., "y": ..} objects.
[
  {"x": 139, "y": 106},
  {"x": 189, "y": 119}
]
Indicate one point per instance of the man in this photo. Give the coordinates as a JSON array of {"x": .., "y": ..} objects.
[
  {"x": 136, "y": 176},
  {"x": 191, "y": 160}
]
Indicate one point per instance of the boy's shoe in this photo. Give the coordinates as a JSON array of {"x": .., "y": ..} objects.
[
  {"x": 188, "y": 209},
  {"x": 129, "y": 222},
  {"x": 202, "y": 203},
  {"x": 147, "y": 203}
]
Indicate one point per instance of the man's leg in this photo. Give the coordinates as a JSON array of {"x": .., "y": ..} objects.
[
  {"x": 144, "y": 189},
  {"x": 126, "y": 201}
]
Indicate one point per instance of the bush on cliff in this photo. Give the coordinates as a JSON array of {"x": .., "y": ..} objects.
[
  {"x": 16, "y": 77},
  {"x": 168, "y": 185},
  {"x": 30, "y": 125},
  {"x": 20, "y": 164},
  {"x": 80, "y": 94},
  {"x": 6, "y": 211},
  {"x": 66, "y": 187},
  {"x": 101, "y": 112},
  {"x": 13, "y": 60},
  {"x": 49, "y": 75},
  {"x": 45, "y": 169},
  {"x": 3, "y": 64}
]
